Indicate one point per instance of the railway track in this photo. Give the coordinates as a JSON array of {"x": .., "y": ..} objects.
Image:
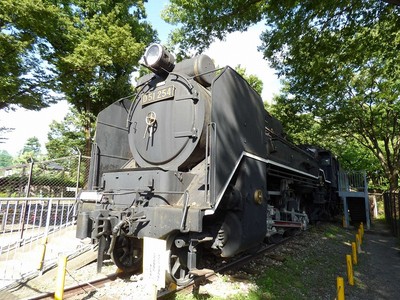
[
  {"x": 231, "y": 265},
  {"x": 86, "y": 287},
  {"x": 91, "y": 287}
]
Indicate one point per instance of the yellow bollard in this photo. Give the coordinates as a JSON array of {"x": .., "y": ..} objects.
[
  {"x": 358, "y": 243},
  {"x": 349, "y": 270},
  {"x": 340, "y": 288},
  {"x": 62, "y": 265},
  {"x": 362, "y": 229},
  {"x": 41, "y": 261},
  {"x": 43, "y": 254},
  {"x": 172, "y": 287},
  {"x": 360, "y": 235},
  {"x": 354, "y": 252}
]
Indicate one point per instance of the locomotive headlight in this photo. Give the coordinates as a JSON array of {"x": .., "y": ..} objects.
[
  {"x": 153, "y": 54},
  {"x": 159, "y": 59}
]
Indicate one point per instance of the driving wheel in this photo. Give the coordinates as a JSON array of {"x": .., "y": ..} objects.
[
  {"x": 178, "y": 271},
  {"x": 128, "y": 253}
]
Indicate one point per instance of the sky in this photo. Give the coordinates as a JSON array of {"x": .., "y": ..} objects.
[{"x": 237, "y": 49}]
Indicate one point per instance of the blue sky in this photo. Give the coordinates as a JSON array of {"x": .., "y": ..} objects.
[
  {"x": 153, "y": 10},
  {"x": 237, "y": 48}
]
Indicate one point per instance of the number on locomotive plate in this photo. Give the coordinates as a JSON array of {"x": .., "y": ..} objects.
[{"x": 158, "y": 95}]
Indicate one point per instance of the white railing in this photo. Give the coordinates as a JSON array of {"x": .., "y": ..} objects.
[
  {"x": 33, "y": 232},
  {"x": 355, "y": 181}
]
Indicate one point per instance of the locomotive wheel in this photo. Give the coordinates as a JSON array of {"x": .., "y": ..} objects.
[
  {"x": 178, "y": 271},
  {"x": 128, "y": 254}
]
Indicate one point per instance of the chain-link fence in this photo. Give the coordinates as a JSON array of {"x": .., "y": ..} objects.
[
  {"x": 61, "y": 177},
  {"x": 392, "y": 211},
  {"x": 37, "y": 207}
]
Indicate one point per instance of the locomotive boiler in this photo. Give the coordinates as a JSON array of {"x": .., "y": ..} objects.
[{"x": 195, "y": 160}]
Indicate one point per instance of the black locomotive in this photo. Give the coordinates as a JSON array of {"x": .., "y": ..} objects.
[{"x": 196, "y": 160}]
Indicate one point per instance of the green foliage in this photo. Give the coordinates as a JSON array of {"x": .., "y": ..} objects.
[
  {"x": 97, "y": 61},
  {"x": 31, "y": 151},
  {"x": 86, "y": 50},
  {"x": 14, "y": 185},
  {"x": 66, "y": 137},
  {"x": 5, "y": 159},
  {"x": 32, "y": 146},
  {"x": 200, "y": 22},
  {"x": 305, "y": 128},
  {"x": 338, "y": 59},
  {"x": 24, "y": 79}
]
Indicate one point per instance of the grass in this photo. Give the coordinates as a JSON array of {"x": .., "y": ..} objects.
[{"x": 307, "y": 272}]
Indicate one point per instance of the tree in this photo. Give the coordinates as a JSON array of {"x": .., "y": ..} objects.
[
  {"x": 30, "y": 152},
  {"x": 32, "y": 146},
  {"x": 339, "y": 61},
  {"x": 87, "y": 50},
  {"x": 304, "y": 128},
  {"x": 97, "y": 61},
  {"x": 200, "y": 22},
  {"x": 76, "y": 47},
  {"x": 25, "y": 80},
  {"x": 5, "y": 159},
  {"x": 66, "y": 137}
]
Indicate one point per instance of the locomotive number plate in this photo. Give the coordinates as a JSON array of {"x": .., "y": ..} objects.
[{"x": 158, "y": 95}]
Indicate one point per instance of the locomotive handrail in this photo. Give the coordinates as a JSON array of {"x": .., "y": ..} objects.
[
  {"x": 142, "y": 191},
  {"x": 134, "y": 102},
  {"x": 185, "y": 209},
  {"x": 286, "y": 142},
  {"x": 206, "y": 200},
  {"x": 190, "y": 86},
  {"x": 205, "y": 73},
  {"x": 209, "y": 185}
]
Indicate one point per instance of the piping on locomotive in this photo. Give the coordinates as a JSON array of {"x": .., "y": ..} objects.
[{"x": 196, "y": 160}]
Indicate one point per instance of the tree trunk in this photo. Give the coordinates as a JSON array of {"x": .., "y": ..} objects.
[{"x": 394, "y": 180}]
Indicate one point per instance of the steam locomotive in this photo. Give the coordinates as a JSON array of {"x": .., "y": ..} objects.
[{"x": 196, "y": 160}]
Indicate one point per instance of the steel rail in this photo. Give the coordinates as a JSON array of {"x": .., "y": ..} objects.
[{"x": 234, "y": 264}]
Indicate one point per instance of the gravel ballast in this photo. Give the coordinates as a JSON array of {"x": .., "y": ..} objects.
[{"x": 304, "y": 268}]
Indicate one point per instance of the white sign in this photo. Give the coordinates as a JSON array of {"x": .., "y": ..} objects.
[{"x": 155, "y": 261}]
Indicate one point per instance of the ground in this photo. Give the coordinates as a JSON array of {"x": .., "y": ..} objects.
[
  {"x": 308, "y": 267},
  {"x": 305, "y": 268},
  {"x": 378, "y": 273}
]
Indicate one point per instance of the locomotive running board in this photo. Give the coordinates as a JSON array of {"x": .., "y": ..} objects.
[{"x": 259, "y": 158}]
